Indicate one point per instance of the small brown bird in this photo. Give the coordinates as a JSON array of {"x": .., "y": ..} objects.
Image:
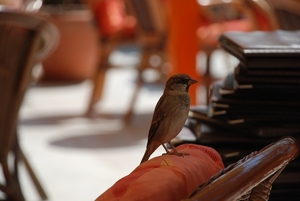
[{"x": 170, "y": 114}]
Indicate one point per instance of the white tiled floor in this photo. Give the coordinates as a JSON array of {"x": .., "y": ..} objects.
[{"x": 77, "y": 158}]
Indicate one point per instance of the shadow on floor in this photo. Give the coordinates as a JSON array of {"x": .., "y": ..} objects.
[
  {"x": 52, "y": 120},
  {"x": 99, "y": 141},
  {"x": 98, "y": 137}
]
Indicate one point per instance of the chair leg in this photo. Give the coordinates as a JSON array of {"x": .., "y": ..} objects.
[
  {"x": 143, "y": 65},
  {"x": 207, "y": 79},
  {"x": 11, "y": 188},
  {"x": 208, "y": 55},
  {"x": 20, "y": 156},
  {"x": 98, "y": 81},
  {"x": 128, "y": 116},
  {"x": 16, "y": 166},
  {"x": 35, "y": 180},
  {"x": 99, "y": 77}
]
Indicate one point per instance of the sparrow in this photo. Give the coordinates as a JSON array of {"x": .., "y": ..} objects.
[{"x": 169, "y": 115}]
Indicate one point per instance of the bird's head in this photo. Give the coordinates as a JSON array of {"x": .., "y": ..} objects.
[{"x": 180, "y": 82}]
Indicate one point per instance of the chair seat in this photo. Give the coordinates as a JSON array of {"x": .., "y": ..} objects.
[
  {"x": 112, "y": 19},
  {"x": 209, "y": 34}
]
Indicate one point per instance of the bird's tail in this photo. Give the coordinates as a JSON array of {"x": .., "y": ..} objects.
[{"x": 150, "y": 149}]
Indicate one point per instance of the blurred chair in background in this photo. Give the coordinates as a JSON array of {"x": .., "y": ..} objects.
[
  {"x": 264, "y": 15},
  {"x": 151, "y": 36},
  {"x": 25, "y": 39},
  {"x": 115, "y": 28},
  {"x": 129, "y": 21},
  {"x": 221, "y": 16},
  {"x": 286, "y": 13}
]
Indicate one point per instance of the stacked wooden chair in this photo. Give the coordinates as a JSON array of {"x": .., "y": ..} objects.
[{"x": 25, "y": 39}]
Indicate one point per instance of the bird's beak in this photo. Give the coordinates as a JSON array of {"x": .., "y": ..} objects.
[{"x": 192, "y": 81}]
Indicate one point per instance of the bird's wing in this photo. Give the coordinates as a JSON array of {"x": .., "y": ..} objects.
[
  {"x": 158, "y": 117},
  {"x": 154, "y": 126}
]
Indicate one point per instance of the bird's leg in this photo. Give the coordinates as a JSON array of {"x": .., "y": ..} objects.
[
  {"x": 167, "y": 151},
  {"x": 175, "y": 152}
]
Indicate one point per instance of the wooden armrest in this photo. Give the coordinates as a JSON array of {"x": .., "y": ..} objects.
[
  {"x": 50, "y": 39},
  {"x": 254, "y": 173}
]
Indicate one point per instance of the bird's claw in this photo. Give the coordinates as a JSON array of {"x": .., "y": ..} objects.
[
  {"x": 177, "y": 154},
  {"x": 181, "y": 154}
]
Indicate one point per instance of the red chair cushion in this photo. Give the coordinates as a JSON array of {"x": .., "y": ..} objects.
[
  {"x": 167, "y": 177},
  {"x": 112, "y": 18},
  {"x": 209, "y": 34}
]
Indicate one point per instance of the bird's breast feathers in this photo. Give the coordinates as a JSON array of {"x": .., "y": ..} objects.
[{"x": 176, "y": 112}]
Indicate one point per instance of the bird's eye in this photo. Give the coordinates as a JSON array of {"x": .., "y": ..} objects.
[{"x": 182, "y": 81}]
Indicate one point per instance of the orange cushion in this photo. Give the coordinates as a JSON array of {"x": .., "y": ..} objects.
[{"x": 167, "y": 177}]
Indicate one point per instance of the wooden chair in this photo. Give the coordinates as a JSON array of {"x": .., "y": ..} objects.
[
  {"x": 111, "y": 35},
  {"x": 250, "y": 178},
  {"x": 221, "y": 16},
  {"x": 24, "y": 39},
  {"x": 149, "y": 36},
  {"x": 286, "y": 13},
  {"x": 264, "y": 14}
]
